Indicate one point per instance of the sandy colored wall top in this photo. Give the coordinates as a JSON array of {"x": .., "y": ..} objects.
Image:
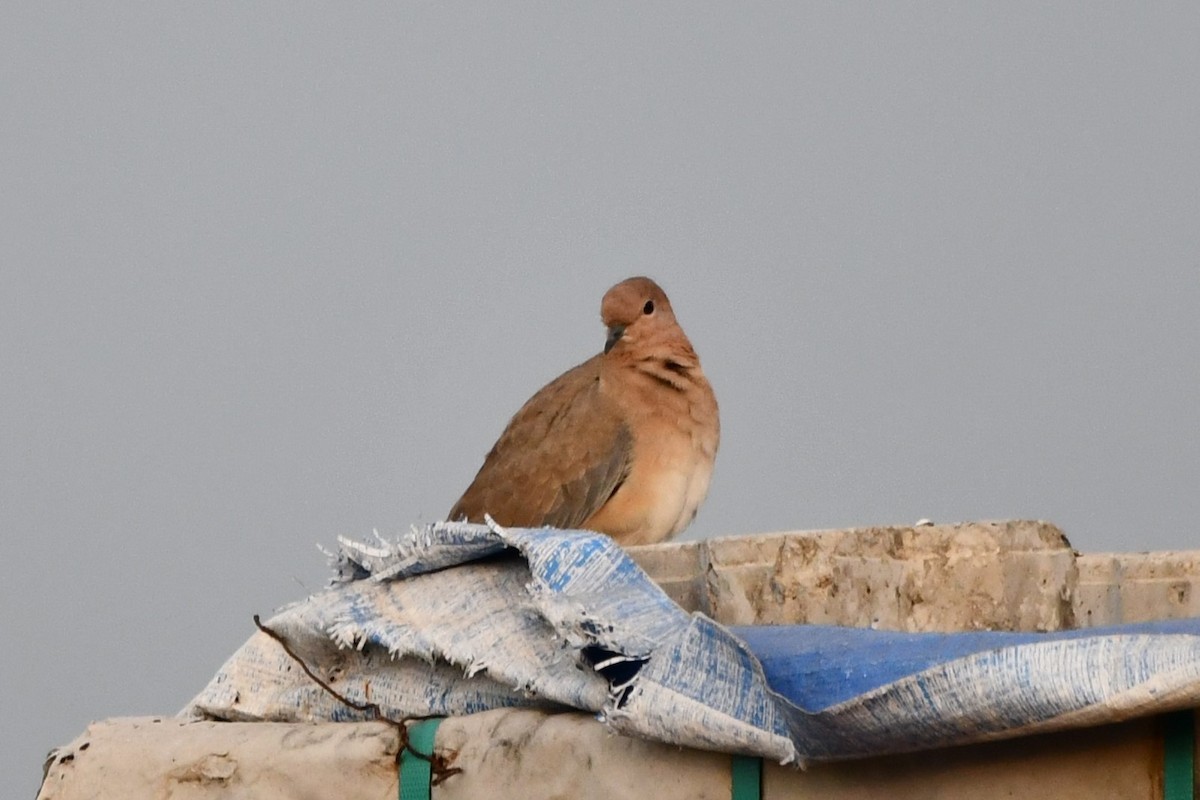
[
  {"x": 1136, "y": 587},
  {"x": 1015, "y": 575},
  {"x": 1010, "y": 575},
  {"x": 523, "y": 753}
]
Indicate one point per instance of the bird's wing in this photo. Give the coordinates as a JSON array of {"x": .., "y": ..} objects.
[{"x": 559, "y": 460}]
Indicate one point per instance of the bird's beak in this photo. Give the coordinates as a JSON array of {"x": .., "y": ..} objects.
[{"x": 614, "y": 333}]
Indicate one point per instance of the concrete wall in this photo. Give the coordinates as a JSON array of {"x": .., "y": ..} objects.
[
  {"x": 517, "y": 755},
  {"x": 1013, "y": 575},
  {"x": 1018, "y": 575},
  {"x": 1136, "y": 587}
]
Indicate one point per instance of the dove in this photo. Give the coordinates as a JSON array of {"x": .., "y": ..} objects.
[{"x": 622, "y": 444}]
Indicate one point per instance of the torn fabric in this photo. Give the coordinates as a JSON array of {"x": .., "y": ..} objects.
[{"x": 458, "y": 618}]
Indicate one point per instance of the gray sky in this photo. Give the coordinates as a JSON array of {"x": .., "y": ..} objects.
[{"x": 275, "y": 273}]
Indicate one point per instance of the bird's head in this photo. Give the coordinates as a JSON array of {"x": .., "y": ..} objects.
[{"x": 636, "y": 311}]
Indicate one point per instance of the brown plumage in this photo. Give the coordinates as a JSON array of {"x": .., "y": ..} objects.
[{"x": 623, "y": 444}]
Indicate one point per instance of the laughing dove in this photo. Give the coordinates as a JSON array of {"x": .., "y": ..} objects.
[{"x": 622, "y": 444}]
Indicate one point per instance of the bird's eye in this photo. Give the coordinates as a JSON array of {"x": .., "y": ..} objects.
[{"x": 648, "y": 308}]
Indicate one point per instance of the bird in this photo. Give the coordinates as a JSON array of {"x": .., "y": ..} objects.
[{"x": 622, "y": 444}]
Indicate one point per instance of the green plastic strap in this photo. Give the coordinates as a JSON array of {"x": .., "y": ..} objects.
[
  {"x": 1179, "y": 748},
  {"x": 416, "y": 772},
  {"x": 746, "y": 778}
]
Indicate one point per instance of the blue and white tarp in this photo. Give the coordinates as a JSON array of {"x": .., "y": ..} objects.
[{"x": 458, "y": 618}]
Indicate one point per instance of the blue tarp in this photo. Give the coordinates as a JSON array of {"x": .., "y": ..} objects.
[{"x": 458, "y": 618}]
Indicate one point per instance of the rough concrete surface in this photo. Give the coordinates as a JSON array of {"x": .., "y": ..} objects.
[
  {"x": 157, "y": 757},
  {"x": 521, "y": 754},
  {"x": 974, "y": 576},
  {"x": 1019, "y": 575},
  {"x": 1136, "y": 587}
]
